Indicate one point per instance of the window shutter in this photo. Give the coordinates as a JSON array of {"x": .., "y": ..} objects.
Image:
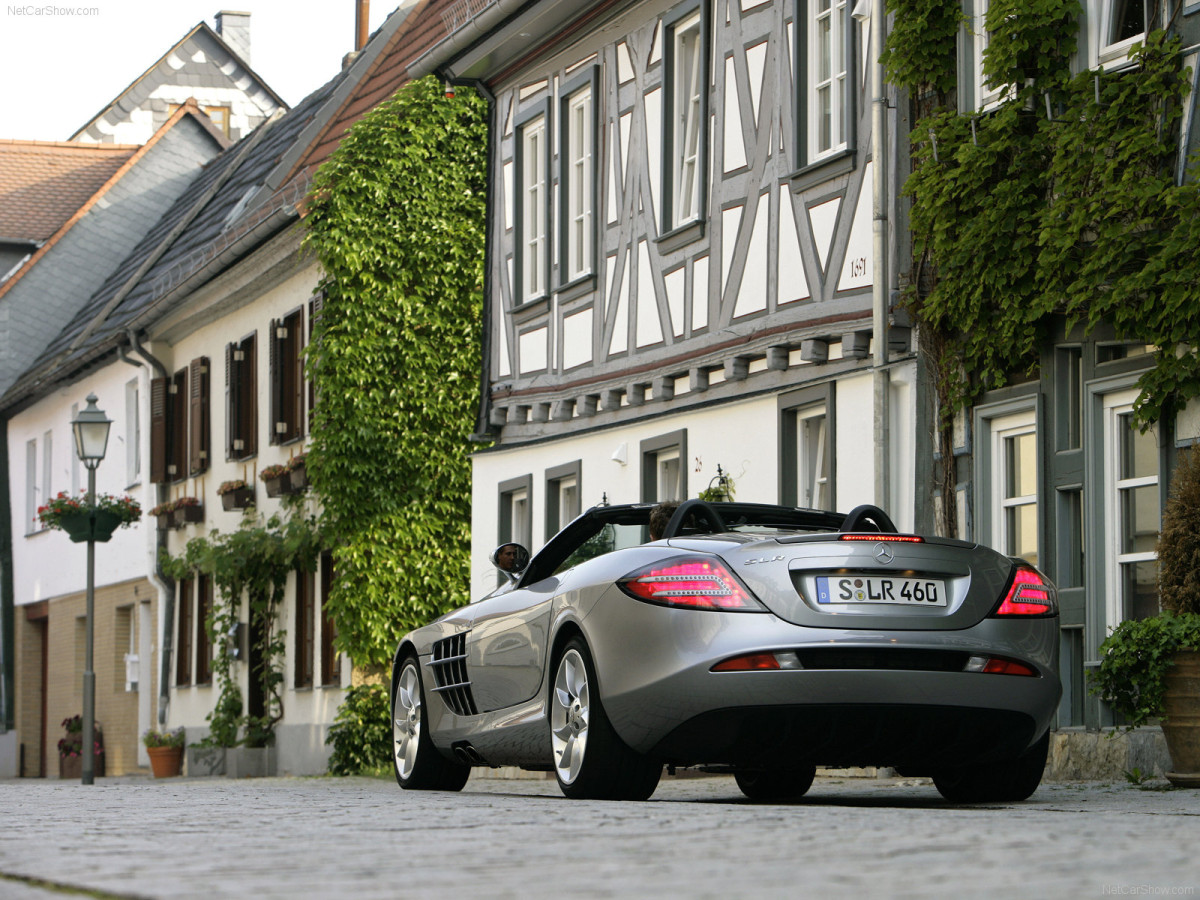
[
  {"x": 315, "y": 307},
  {"x": 198, "y": 436},
  {"x": 274, "y": 352},
  {"x": 158, "y": 430},
  {"x": 231, "y": 412},
  {"x": 296, "y": 365},
  {"x": 249, "y": 390}
]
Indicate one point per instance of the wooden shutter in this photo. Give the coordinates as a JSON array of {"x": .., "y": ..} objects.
[
  {"x": 231, "y": 416},
  {"x": 158, "y": 429},
  {"x": 304, "y": 629},
  {"x": 204, "y": 598},
  {"x": 316, "y": 307},
  {"x": 296, "y": 374},
  {"x": 177, "y": 427},
  {"x": 275, "y": 434},
  {"x": 330, "y": 671},
  {"x": 183, "y": 647},
  {"x": 198, "y": 436},
  {"x": 249, "y": 392}
]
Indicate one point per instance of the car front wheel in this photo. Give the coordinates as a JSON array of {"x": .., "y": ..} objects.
[
  {"x": 418, "y": 764},
  {"x": 590, "y": 760},
  {"x": 998, "y": 782}
]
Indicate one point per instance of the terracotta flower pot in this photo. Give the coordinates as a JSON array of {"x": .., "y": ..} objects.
[
  {"x": 165, "y": 762},
  {"x": 1181, "y": 728}
]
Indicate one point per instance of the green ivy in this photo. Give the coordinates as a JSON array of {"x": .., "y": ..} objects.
[
  {"x": 1052, "y": 205},
  {"x": 253, "y": 562},
  {"x": 398, "y": 222}
]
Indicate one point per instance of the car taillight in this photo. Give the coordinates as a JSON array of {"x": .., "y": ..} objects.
[
  {"x": 696, "y": 583},
  {"x": 1029, "y": 594}
]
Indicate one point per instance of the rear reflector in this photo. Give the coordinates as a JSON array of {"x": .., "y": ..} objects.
[
  {"x": 756, "y": 662},
  {"x": 1028, "y": 595},
  {"x": 693, "y": 582},
  {"x": 894, "y": 538},
  {"x": 989, "y": 666}
]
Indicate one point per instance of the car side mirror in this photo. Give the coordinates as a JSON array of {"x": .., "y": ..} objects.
[{"x": 511, "y": 559}]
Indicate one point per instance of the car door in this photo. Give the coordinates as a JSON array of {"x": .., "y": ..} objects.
[{"x": 507, "y": 644}]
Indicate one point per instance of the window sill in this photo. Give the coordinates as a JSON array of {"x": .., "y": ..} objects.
[
  {"x": 841, "y": 163},
  {"x": 584, "y": 284},
  {"x": 330, "y": 687},
  {"x": 680, "y": 237},
  {"x": 531, "y": 308}
]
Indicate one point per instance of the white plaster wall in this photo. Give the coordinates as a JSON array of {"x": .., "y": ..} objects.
[
  {"x": 854, "y": 441},
  {"x": 46, "y": 564},
  {"x": 741, "y": 437},
  {"x": 191, "y": 704}
]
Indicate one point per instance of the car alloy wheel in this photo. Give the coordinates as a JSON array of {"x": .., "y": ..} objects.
[
  {"x": 406, "y": 721},
  {"x": 569, "y": 715},
  {"x": 591, "y": 762},
  {"x": 417, "y": 762}
]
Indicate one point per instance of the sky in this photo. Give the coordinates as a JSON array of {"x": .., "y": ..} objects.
[{"x": 59, "y": 67}]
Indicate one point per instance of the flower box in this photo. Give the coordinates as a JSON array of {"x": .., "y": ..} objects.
[
  {"x": 97, "y": 525},
  {"x": 298, "y": 476},
  {"x": 71, "y": 767},
  {"x": 278, "y": 486},
  {"x": 165, "y": 520},
  {"x": 190, "y": 513},
  {"x": 239, "y": 498}
]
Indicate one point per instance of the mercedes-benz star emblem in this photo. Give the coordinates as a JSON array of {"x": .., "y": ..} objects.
[{"x": 883, "y": 553}]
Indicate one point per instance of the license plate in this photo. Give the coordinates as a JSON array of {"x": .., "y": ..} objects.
[{"x": 856, "y": 590}]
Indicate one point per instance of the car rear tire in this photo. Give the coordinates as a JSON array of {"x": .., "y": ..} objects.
[
  {"x": 417, "y": 763},
  {"x": 591, "y": 762},
  {"x": 775, "y": 784},
  {"x": 1001, "y": 782}
]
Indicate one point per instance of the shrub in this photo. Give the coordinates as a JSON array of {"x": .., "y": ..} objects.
[
  {"x": 1179, "y": 540},
  {"x": 362, "y": 733}
]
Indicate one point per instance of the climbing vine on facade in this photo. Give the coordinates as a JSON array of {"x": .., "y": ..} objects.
[
  {"x": 1064, "y": 201},
  {"x": 398, "y": 220},
  {"x": 254, "y": 563}
]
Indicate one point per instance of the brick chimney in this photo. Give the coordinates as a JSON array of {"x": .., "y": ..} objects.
[{"x": 234, "y": 29}]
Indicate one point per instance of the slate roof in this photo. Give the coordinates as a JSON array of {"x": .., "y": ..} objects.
[
  {"x": 223, "y": 208},
  {"x": 44, "y": 183}
]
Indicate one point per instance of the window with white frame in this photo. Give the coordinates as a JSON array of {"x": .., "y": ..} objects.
[
  {"x": 1132, "y": 511},
  {"x": 823, "y": 70},
  {"x": 516, "y": 524},
  {"x": 577, "y": 182},
  {"x": 562, "y": 496},
  {"x": 31, "y": 487},
  {"x": 983, "y": 96},
  {"x": 812, "y": 458},
  {"x": 664, "y": 476},
  {"x": 685, "y": 67},
  {"x": 1116, "y": 25},
  {"x": 133, "y": 434},
  {"x": 1014, "y": 485},
  {"x": 532, "y": 191}
]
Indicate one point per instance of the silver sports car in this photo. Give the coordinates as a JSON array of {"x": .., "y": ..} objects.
[{"x": 758, "y": 640}]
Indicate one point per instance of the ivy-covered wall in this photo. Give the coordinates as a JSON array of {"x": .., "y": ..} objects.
[
  {"x": 398, "y": 221},
  {"x": 1062, "y": 202}
]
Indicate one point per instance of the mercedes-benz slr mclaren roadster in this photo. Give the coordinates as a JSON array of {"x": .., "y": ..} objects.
[{"x": 756, "y": 640}]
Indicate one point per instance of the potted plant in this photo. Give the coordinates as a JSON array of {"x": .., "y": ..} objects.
[
  {"x": 188, "y": 509},
  {"x": 95, "y": 521},
  {"x": 277, "y": 480},
  {"x": 236, "y": 494},
  {"x": 297, "y": 472},
  {"x": 166, "y": 751},
  {"x": 70, "y": 749},
  {"x": 163, "y": 512},
  {"x": 1150, "y": 668}
]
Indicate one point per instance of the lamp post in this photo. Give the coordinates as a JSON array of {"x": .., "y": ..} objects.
[{"x": 91, "y": 427}]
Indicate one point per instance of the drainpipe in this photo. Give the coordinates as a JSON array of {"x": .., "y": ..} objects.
[
  {"x": 482, "y": 423},
  {"x": 165, "y": 584},
  {"x": 879, "y": 276}
]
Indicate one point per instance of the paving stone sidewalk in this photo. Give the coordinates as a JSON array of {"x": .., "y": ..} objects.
[{"x": 697, "y": 837}]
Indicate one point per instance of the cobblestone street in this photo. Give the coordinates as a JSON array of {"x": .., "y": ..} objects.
[{"x": 364, "y": 838}]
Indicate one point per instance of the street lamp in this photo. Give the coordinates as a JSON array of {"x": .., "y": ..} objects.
[{"x": 91, "y": 427}]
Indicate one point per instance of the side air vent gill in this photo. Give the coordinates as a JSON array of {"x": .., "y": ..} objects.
[{"x": 449, "y": 665}]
